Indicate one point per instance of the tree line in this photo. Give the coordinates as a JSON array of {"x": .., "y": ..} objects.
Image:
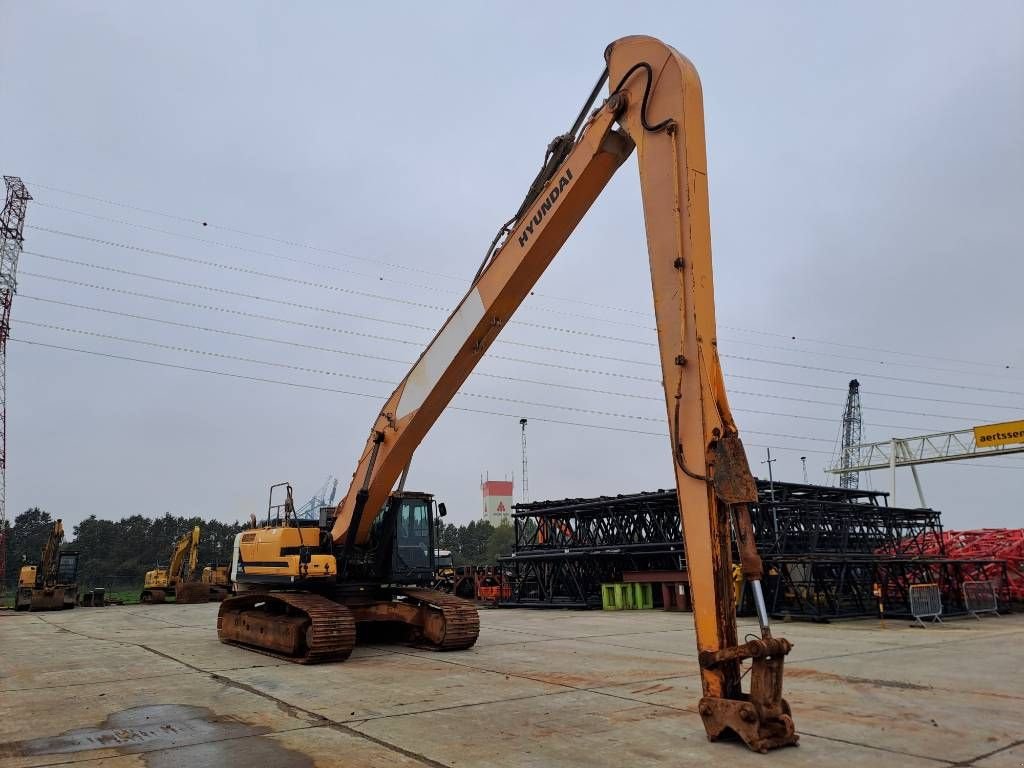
[
  {"x": 115, "y": 552},
  {"x": 476, "y": 543},
  {"x": 120, "y": 552}
]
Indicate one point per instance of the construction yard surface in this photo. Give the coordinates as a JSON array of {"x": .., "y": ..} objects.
[{"x": 152, "y": 686}]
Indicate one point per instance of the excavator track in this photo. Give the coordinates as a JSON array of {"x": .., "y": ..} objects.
[
  {"x": 294, "y": 626},
  {"x": 461, "y": 621},
  {"x": 151, "y": 596}
]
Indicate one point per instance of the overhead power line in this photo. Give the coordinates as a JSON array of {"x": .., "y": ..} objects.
[
  {"x": 462, "y": 409},
  {"x": 542, "y": 347},
  {"x": 885, "y": 363},
  {"x": 560, "y": 299},
  {"x": 379, "y": 277},
  {"x": 866, "y": 348},
  {"x": 357, "y": 377},
  {"x": 268, "y": 238},
  {"x": 446, "y": 310},
  {"x": 300, "y": 385},
  {"x": 831, "y": 404},
  {"x": 320, "y": 327},
  {"x": 492, "y": 355},
  {"x": 873, "y": 375},
  {"x": 866, "y": 392},
  {"x": 335, "y": 350},
  {"x": 293, "y": 344},
  {"x": 326, "y": 310},
  {"x": 312, "y": 387},
  {"x": 229, "y": 292},
  {"x": 517, "y": 379},
  {"x": 314, "y": 284}
]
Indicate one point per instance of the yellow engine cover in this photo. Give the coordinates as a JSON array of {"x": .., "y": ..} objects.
[
  {"x": 27, "y": 576},
  {"x": 274, "y": 552},
  {"x": 156, "y": 579}
]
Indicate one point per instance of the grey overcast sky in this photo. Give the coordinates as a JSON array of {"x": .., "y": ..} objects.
[{"x": 866, "y": 165}]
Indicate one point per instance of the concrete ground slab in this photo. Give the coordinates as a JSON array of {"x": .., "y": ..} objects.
[
  {"x": 950, "y": 663},
  {"x": 300, "y": 748},
  {"x": 152, "y": 686},
  {"x": 389, "y": 685},
  {"x": 1009, "y": 757},
  {"x": 592, "y": 729},
  {"x": 77, "y": 722},
  {"x": 574, "y": 663},
  {"x": 900, "y": 719}
]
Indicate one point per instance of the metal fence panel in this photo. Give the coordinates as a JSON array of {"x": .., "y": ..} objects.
[
  {"x": 980, "y": 597},
  {"x": 925, "y": 603}
]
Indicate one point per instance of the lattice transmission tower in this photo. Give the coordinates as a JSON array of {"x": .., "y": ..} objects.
[
  {"x": 852, "y": 430},
  {"x": 12, "y": 225}
]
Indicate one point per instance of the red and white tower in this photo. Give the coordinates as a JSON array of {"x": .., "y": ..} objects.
[
  {"x": 497, "y": 500},
  {"x": 12, "y": 225}
]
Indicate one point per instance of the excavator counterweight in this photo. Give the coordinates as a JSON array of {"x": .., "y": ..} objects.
[{"x": 371, "y": 555}]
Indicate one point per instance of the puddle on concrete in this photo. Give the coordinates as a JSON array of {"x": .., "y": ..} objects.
[{"x": 191, "y": 734}]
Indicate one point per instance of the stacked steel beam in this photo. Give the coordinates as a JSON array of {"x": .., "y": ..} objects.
[
  {"x": 825, "y": 550},
  {"x": 565, "y": 550}
]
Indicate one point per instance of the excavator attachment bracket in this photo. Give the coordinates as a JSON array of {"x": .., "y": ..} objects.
[{"x": 762, "y": 718}]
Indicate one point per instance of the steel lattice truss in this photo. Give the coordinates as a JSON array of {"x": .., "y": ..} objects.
[
  {"x": 812, "y": 519},
  {"x": 12, "y": 224},
  {"x": 565, "y": 550},
  {"x": 913, "y": 451},
  {"x": 824, "y": 587},
  {"x": 852, "y": 430},
  {"x": 824, "y": 550}
]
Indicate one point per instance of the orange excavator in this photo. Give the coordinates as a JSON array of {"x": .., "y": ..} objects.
[{"x": 303, "y": 588}]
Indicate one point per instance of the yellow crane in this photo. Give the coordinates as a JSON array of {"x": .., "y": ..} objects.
[
  {"x": 52, "y": 584},
  {"x": 303, "y": 587}
]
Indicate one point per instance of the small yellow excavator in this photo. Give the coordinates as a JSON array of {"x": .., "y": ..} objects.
[
  {"x": 302, "y": 588},
  {"x": 180, "y": 578},
  {"x": 52, "y": 585}
]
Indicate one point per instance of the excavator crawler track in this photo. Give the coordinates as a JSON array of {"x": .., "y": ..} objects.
[
  {"x": 294, "y": 626},
  {"x": 151, "y": 596},
  {"x": 461, "y": 621}
]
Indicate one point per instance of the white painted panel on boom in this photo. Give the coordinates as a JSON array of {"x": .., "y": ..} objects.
[{"x": 440, "y": 353}]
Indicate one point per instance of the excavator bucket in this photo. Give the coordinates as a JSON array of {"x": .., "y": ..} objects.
[{"x": 192, "y": 592}]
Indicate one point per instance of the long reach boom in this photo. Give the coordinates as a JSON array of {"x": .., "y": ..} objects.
[
  {"x": 654, "y": 105},
  {"x": 303, "y": 587}
]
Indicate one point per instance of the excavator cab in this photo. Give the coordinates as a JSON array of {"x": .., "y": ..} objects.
[{"x": 413, "y": 554}]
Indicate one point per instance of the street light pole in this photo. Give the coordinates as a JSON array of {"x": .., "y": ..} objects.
[{"x": 771, "y": 493}]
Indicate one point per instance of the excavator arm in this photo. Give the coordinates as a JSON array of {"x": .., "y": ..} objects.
[
  {"x": 655, "y": 106},
  {"x": 184, "y": 556},
  {"x": 49, "y": 559}
]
